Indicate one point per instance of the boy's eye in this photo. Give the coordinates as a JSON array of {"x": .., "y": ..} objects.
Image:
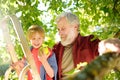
[{"x": 33, "y": 38}]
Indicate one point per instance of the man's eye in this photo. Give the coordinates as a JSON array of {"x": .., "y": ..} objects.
[{"x": 39, "y": 38}]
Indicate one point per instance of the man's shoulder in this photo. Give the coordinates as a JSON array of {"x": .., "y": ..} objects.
[
  {"x": 57, "y": 48},
  {"x": 89, "y": 39},
  {"x": 85, "y": 37},
  {"x": 57, "y": 44}
]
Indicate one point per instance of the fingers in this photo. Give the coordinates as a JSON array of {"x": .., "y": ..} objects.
[
  {"x": 18, "y": 66},
  {"x": 42, "y": 58},
  {"x": 40, "y": 52}
]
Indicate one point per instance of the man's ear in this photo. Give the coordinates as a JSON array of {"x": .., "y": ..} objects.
[{"x": 76, "y": 26}]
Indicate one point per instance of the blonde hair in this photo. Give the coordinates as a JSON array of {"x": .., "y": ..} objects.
[{"x": 35, "y": 29}]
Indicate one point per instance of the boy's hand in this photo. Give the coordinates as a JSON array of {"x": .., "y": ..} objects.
[
  {"x": 18, "y": 66},
  {"x": 44, "y": 50},
  {"x": 43, "y": 57}
]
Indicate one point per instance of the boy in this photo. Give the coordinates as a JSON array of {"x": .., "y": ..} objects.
[{"x": 45, "y": 63}]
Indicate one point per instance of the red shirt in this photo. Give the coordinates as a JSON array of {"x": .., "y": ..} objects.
[{"x": 35, "y": 53}]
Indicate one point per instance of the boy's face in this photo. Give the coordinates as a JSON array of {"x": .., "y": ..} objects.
[{"x": 36, "y": 40}]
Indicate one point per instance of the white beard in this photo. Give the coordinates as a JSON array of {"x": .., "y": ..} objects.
[{"x": 70, "y": 38}]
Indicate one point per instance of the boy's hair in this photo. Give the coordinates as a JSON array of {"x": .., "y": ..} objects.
[{"x": 35, "y": 29}]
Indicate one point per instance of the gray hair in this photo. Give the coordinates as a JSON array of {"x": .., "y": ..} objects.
[{"x": 71, "y": 18}]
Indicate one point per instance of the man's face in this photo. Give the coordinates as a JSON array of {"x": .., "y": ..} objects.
[{"x": 66, "y": 31}]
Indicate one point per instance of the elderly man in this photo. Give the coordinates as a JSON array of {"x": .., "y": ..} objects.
[{"x": 73, "y": 48}]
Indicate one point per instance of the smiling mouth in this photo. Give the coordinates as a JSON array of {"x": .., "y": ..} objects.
[{"x": 36, "y": 44}]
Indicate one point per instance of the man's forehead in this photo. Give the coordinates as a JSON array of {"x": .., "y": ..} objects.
[{"x": 62, "y": 19}]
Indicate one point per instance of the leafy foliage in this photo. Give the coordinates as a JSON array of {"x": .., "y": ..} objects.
[
  {"x": 98, "y": 17},
  {"x": 113, "y": 75}
]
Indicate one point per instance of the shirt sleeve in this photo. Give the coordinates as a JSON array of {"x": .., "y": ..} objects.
[{"x": 53, "y": 64}]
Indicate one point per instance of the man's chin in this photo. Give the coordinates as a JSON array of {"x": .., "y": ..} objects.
[{"x": 65, "y": 43}]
